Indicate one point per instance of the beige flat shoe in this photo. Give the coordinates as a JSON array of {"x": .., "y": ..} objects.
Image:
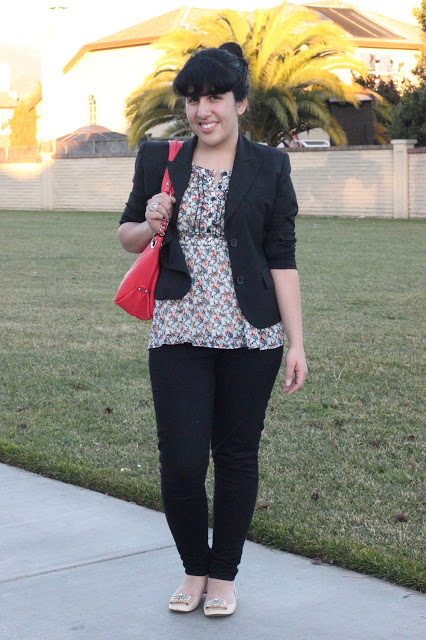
[
  {"x": 219, "y": 607},
  {"x": 184, "y": 603}
]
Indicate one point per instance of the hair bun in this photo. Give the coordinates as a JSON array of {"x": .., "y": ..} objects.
[{"x": 234, "y": 48}]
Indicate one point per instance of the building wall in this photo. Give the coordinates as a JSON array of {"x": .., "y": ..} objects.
[
  {"x": 386, "y": 63},
  {"x": 417, "y": 182},
  {"x": 337, "y": 182},
  {"x": 350, "y": 182},
  {"x": 110, "y": 76},
  {"x": 92, "y": 184},
  {"x": 403, "y": 62},
  {"x": 21, "y": 186}
]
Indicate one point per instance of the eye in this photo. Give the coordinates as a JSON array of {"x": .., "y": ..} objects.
[
  {"x": 215, "y": 97},
  {"x": 192, "y": 100}
]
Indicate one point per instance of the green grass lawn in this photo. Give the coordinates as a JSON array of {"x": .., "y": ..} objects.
[{"x": 341, "y": 461}]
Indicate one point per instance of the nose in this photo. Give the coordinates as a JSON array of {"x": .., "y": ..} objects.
[{"x": 203, "y": 107}]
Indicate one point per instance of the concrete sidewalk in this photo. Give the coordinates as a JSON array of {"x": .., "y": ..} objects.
[{"x": 79, "y": 564}]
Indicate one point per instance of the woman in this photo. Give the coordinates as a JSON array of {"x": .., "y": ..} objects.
[{"x": 228, "y": 288}]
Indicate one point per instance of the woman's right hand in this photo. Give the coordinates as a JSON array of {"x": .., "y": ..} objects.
[{"x": 163, "y": 211}]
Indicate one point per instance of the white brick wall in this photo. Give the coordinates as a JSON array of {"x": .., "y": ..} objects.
[
  {"x": 355, "y": 182},
  {"x": 21, "y": 186},
  {"x": 417, "y": 184},
  {"x": 92, "y": 184},
  {"x": 344, "y": 183}
]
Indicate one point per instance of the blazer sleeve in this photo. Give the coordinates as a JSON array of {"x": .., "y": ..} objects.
[
  {"x": 136, "y": 204},
  {"x": 280, "y": 237}
]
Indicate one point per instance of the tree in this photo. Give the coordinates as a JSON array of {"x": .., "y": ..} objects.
[
  {"x": 420, "y": 14},
  {"x": 23, "y": 123},
  {"x": 409, "y": 118},
  {"x": 385, "y": 88},
  {"x": 409, "y": 121},
  {"x": 292, "y": 57},
  {"x": 383, "y": 108}
]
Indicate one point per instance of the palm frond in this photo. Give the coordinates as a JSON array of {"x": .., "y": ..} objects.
[{"x": 178, "y": 128}]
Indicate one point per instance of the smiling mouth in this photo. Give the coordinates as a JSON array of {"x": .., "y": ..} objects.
[{"x": 208, "y": 125}]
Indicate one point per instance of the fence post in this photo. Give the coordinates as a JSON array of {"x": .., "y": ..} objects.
[
  {"x": 47, "y": 175},
  {"x": 400, "y": 177}
]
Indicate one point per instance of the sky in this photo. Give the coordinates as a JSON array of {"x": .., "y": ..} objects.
[{"x": 23, "y": 22}]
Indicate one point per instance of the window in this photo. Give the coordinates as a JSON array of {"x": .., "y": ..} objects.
[
  {"x": 378, "y": 63},
  {"x": 92, "y": 109}
]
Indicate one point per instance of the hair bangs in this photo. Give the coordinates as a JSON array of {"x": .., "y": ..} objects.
[{"x": 203, "y": 77}]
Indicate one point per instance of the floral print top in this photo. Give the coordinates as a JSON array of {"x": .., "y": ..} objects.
[{"x": 209, "y": 314}]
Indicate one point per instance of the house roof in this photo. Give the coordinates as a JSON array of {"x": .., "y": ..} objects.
[
  {"x": 411, "y": 32},
  {"x": 354, "y": 23},
  {"x": 158, "y": 26},
  {"x": 390, "y": 33},
  {"x": 366, "y": 28},
  {"x": 6, "y": 101},
  {"x": 142, "y": 33}
]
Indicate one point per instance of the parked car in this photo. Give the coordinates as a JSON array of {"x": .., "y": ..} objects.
[
  {"x": 308, "y": 142},
  {"x": 296, "y": 143},
  {"x": 314, "y": 143}
]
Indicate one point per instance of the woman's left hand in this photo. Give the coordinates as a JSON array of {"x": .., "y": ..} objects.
[{"x": 295, "y": 365}]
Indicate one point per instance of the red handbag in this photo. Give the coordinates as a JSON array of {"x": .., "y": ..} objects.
[{"x": 136, "y": 292}]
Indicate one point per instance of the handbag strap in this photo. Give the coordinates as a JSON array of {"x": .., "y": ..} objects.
[{"x": 166, "y": 185}]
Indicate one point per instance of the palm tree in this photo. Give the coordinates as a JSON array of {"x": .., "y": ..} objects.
[{"x": 292, "y": 56}]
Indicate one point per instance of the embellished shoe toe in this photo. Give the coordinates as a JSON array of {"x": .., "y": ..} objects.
[
  {"x": 219, "y": 606},
  {"x": 183, "y": 602}
]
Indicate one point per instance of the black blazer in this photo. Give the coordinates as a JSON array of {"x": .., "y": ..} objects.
[{"x": 260, "y": 210}]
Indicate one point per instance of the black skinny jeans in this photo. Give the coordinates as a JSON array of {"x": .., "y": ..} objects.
[{"x": 210, "y": 397}]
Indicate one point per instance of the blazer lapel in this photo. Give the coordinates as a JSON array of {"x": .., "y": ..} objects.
[{"x": 244, "y": 172}]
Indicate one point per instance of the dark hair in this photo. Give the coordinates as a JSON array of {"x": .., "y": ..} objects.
[{"x": 214, "y": 71}]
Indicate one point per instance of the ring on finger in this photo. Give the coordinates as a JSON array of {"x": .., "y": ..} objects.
[{"x": 153, "y": 206}]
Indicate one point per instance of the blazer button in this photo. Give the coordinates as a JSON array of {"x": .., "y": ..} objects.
[
  {"x": 234, "y": 242},
  {"x": 240, "y": 280}
]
